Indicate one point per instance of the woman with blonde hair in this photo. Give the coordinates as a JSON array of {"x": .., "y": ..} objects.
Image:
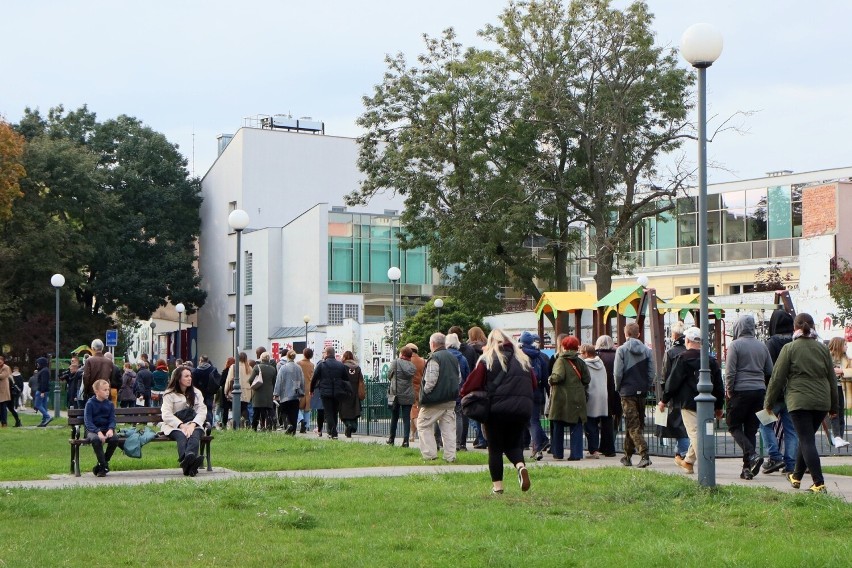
[
  {"x": 843, "y": 370},
  {"x": 245, "y": 388},
  {"x": 505, "y": 371}
]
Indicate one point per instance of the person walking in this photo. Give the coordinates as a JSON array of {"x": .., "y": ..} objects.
[
  {"x": 328, "y": 375},
  {"x": 634, "y": 375},
  {"x": 747, "y": 366},
  {"x": 472, "y": 350},
  {"x": 505, "y": 370},
  {"x": 289, "y": 388},
  {"x": 350, "y": 409},
  {"x": 401, "y": 394},
  {"x": 263, "y": 417},
  {"x": 305, "y": 402},
  {"x": 804, "y": 377},
  {"x": 598, "y": 423},
  {"x": 842, "y": 367},
  {"x": 605, "y": 349},
  {"x": 43, "y": 366},
  {"x": 438, "y": 400},
  {"x": 674, "y": 427},
  {"x": 6, "y": 400},
  {"x": 780, "y": 438},
  {"x": 569, "y": 383},
  {"x": 539, "y": 442}
]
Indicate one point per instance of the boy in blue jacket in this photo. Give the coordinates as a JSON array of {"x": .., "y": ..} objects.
[{"x": 99, "y": 417}]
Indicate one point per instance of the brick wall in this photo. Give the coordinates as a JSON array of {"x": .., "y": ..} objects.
[{"x": 819, "y": 210}]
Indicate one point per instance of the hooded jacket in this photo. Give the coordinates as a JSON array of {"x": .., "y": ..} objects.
[
  {"x": 780, "y": 332},
  {"x": 634, "y": 368},
  {"x": 43, "y": 375},
  {"x": 682, "y": 385},
  {"x": 598, "y": 396},
  {"x": 804, "y": 377},
  {"x": 748, "y": 365},
  {"x": 569, "y": 385},
  {"x": 540, "y": 364}
]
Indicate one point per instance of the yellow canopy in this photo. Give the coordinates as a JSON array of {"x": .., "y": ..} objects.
[{"x": 557, "y": 302}]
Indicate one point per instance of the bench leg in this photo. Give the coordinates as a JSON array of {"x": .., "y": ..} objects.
[
  {"x": 207, "y": 452},
  {"x": 76, "y": 461}
]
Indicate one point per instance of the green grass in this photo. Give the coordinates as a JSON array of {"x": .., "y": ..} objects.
[
  {"x": 41, "y": 452},
  {"x": 837, "y": 469},
  {"x": 604, "y": 517}
]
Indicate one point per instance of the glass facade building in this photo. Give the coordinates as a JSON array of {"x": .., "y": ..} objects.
[
  {"x": 361, "y": 249},
  {"x": 743, "y": 225}
]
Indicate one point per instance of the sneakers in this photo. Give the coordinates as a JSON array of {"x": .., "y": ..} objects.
[
  {"x": 796, "y": 483},
  {"x": 524, "y": 478},
  {"x": 625, "y": 461},
  {"x": 839, "y": 443},
  {"x": 754, "y": 464},
  {"x": 595, "y": 455},
  {"x": 684, "y": 465},
  {"x": 45, "y": 422},
  {"x": 818, "y": 488},
  {"x": 746, "y": 473},
  {"x": 538, "y": 456},
  {"x": 496, "y": 491},
  {"x": 771, "y": 466},
  {"x": 644, "y": 462}
]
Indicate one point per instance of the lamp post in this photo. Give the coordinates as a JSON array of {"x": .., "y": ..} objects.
[
  {"x": 701, "y": 45},
  {"x": 439, "y": 303},
  {"x": 152, "y": 325},
  {"x": 231, "y": 327},
  {"x": 57, "y": 281},
  {"x": 394, "y": 274},
  {"x": 306, "y": 319},
  {"x": 238, "y": 220},
  {"x": 180, "y": 309}
]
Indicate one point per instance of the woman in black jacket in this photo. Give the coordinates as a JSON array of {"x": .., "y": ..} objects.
[{"x": 506, "y": 370}]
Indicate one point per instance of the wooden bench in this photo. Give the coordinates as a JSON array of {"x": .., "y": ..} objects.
[{"x": 125, "y": 416}]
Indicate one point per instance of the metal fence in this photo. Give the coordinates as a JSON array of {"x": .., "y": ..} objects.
[{"x": 375, "y": 421}]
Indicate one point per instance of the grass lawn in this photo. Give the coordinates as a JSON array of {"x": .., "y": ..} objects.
[
  {"x": 38, "y": 453},
  {"x": 605, "y": 517}
]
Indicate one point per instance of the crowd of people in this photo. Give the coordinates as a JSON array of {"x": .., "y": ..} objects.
[{"x": 585, "y": 391}]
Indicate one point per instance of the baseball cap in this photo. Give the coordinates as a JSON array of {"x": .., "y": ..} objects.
[{"x": 693, "y": 334}]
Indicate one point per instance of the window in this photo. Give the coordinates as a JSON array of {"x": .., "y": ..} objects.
[
  {"x": 352, "y": 311},
  {"x": 247, "y": 325},
  {"x": 740, "y": 288},
  {"x": 686, "y": 290},
  {"x": 232, "y": 285},
  {"x": 249, "y": 273},
  {"x": 335, "y": 314}
]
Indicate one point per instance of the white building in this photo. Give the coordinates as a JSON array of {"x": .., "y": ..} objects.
[{"x": 303, "y": 254}]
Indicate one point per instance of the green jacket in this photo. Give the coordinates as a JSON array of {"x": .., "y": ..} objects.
[
  {"x": 446, "y": 387},
  {"x": 567, "y": 390},
  {"x": 804, "y": 376}
]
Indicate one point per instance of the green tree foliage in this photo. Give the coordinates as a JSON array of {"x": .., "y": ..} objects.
[
  {"x": 559, "y": 126},
  {"x": 417, "y": 328},
  {"x": 111, "y": 206},
  {"x": 840, "y": 289},
  {"x": 11, "y": 167}
]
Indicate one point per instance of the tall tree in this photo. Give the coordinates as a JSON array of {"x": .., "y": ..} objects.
[
  {"x": 11, "y": 167},
  {"x": 559, "y": 127},
  {"x": 111, "y": 206}
]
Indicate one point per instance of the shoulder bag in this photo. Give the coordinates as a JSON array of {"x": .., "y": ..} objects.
[{"x": 476, "y": 405}]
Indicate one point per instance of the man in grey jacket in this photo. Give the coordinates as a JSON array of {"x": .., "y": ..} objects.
[
  {"x": 634, "y": 375},
  {"x": 747, "y": 367}
]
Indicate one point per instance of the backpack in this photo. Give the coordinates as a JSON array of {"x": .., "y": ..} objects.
[
  {"x": 125, "y": 393},
  {"x": 210, "y": 381}
]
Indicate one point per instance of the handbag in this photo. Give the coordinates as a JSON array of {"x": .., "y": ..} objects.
[
  {"x": 185, "y": 415},
  {"x": 476, "y": 405},
  {"x": 257, "y": 382}
]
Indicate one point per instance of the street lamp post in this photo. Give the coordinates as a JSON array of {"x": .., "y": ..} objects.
[
  {"x": 306, "y": 319},
  {"x": 57, "y": 281},
  {"x": 439, "y": 303},
  {"x": 238, "y": 220},
  {"x": 701, "y": 45},
  {"x": 394, "y": 274},
  {"x": 180, "y": 309},
  {"x": 153, "y": 325}
]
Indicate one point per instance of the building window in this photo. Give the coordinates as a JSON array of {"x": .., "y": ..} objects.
[
  {"x": 335, "y": 314},
  {"x": 232, "y": 270},
  {"x": 352, "y": 311},
  {"x": 249, "y": 273},
  {"x": 686, "y": 290},
  {"x": 247, "y": 325},
  {"x": 740, "y": 288}
]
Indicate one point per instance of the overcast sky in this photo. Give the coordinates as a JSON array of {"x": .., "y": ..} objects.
[{"x": 199, "y": 67}]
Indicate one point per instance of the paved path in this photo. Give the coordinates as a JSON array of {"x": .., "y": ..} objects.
[{"x": 727, "y": 473}]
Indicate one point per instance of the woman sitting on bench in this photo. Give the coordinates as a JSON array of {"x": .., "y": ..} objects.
[{"x": 183, "y": 419}]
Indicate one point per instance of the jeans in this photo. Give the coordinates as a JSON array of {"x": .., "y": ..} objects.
[
  {"x": 807, "y": 423},
  {"x": 40, "y": 404},
  {"x": 403, "y": 411},
  {"x": 305, "y": 418},
  {"x": 186, "y": 445},
  {"x": 791, "y": 440},
  {"x": 682, "y": 446},
  {"x": 537, "y": 436},
  {"x": 838, "y": 423},
  {"x": 600, "y": 436},
  {"x": 98, "y": 448},
  {"x": 461, "y": 428},
  {"x": 558, "y": 442},
  {"x": 478, "y": 435}
]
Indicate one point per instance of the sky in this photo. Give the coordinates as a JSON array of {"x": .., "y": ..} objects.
[{"x": 194, "y": 69}]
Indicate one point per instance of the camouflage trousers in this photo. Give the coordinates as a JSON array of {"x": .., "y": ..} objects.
[{"x": 634, "y": 423}]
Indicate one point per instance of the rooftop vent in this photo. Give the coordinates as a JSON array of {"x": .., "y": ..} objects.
[
  {"x": 287, "y": 122},
  {"x": 779, "y": 173},
  {"x": 338, "y": 209}
]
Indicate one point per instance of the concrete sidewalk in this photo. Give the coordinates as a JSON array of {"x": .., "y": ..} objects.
[{"x": 727, "y": 473}]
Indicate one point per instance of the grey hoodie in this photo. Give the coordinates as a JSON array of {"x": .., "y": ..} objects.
[
  {"x": 597, "y": 403},
  {"x": 748, "y": 362},
  {"x": 634, "y": 368}
]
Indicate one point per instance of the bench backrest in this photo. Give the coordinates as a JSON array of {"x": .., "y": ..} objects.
[{"x": 133, "y": 415}]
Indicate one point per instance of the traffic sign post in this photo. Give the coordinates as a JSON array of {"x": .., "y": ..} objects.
[{"x": 112, "y": 338}]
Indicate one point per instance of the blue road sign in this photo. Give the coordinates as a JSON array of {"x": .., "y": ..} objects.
[{"x": 112, "y": 338}]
